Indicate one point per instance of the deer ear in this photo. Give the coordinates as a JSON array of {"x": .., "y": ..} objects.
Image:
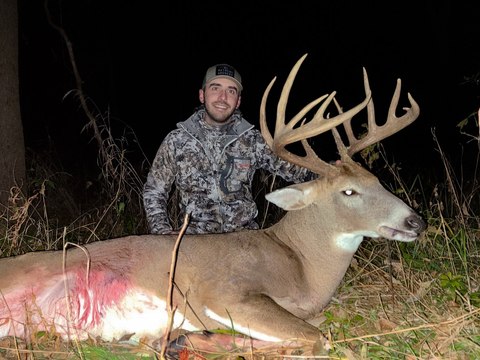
[{"x": 294, "y": 197}]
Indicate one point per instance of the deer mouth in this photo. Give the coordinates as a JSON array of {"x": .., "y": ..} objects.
[{"x": 396, "y": 234}]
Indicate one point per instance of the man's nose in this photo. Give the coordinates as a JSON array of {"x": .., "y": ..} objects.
[{"x": 223, "y": 95}]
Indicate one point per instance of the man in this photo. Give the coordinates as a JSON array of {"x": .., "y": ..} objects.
[{"x": 212, "y": 158}]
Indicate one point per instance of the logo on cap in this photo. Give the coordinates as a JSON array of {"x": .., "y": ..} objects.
[{"x": 225, "y": 70}]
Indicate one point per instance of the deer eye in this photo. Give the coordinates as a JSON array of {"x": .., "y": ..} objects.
[{"x": 349, "y": 192}]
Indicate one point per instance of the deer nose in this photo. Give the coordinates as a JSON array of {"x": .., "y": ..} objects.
[{"x": 416, "y": 223}]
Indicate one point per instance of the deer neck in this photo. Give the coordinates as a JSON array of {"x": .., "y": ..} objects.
[
  {"x": 303, "y": 231},
  {"x": 324, "y": 251}
]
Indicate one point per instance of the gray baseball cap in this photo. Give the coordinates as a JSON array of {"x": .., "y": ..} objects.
[{"x": 223, "y": 71}]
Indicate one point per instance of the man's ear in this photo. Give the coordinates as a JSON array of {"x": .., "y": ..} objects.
[
  {"x": 201, "y": 96},
  {"x": 239, "y": 101}
]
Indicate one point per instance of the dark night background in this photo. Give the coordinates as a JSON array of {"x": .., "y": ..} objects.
[{"x": 144, "y": 62}]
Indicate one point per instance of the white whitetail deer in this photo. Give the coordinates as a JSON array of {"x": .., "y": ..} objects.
[{"x": 267, "y": 282}]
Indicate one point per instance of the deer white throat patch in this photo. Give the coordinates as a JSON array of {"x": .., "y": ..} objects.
[{"x": 351, "y": 242}]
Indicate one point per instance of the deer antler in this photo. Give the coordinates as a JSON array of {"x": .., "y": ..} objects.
[
  {"x": 375, "y": 132},
  {"x": 286, "y": 134}
]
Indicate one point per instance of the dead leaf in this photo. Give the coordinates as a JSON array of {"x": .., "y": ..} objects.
[
  {"x": 143, "y": 341},
  {"x": 126, "y": 337},
  {"x": 319, "y": 349},
  {"x": 349, "y": 354},
  {"x": 354, "y": 265},
  {"x": 383, "y": 325},
  {"x": 420, "y": 293},
  {"x": 90, "y": 341}
]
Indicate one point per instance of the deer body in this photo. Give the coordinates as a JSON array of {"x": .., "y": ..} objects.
[{"x": 268, "y": 282}]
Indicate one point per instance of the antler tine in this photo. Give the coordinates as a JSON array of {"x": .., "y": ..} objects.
[
  {"x": 285, "y": 133},
  {"x": 342, "y": 149},
  {"x": 347, "y": 125},
  {"x": 263, "y": 116},
  {"x": 393, "y": 124}
]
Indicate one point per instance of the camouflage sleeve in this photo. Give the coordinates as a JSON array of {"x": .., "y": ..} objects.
[
  {"x": 272, "y": 163},
  {"x": 157, "y": 188}
]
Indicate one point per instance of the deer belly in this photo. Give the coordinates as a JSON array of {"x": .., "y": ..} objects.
[
  {"x": 104, "y": 306},
  {"x": 142, "y": 314}
]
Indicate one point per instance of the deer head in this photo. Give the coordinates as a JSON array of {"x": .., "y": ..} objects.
[{"x": 362, "y": 195}]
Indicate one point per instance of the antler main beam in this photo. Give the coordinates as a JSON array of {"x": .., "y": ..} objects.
[{"x": 286, "y": 134}]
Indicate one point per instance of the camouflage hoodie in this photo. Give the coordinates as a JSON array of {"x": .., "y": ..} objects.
[{"x": 213, "y": 168}]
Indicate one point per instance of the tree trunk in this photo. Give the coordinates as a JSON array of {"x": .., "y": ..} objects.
[{"x": 12, "y": 148}]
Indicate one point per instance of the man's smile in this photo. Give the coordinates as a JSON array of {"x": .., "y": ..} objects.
[{"x": 221, "y": 106}]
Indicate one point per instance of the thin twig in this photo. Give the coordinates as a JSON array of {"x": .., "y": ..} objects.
[
  {"x": 65, "y": 285},
  {"x": 268, "y": 203},
  {"x": 13, "y": 325},
  {"x": 170, "y": 308}
]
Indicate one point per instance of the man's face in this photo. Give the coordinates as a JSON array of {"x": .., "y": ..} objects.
[{"x": 221, "y": 98}]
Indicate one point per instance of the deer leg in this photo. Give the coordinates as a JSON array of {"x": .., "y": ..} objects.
[
  {"x": 216, "y": 343},
  {"x": 264, "y": 322},
  {"x": 262, "y": 318}
]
